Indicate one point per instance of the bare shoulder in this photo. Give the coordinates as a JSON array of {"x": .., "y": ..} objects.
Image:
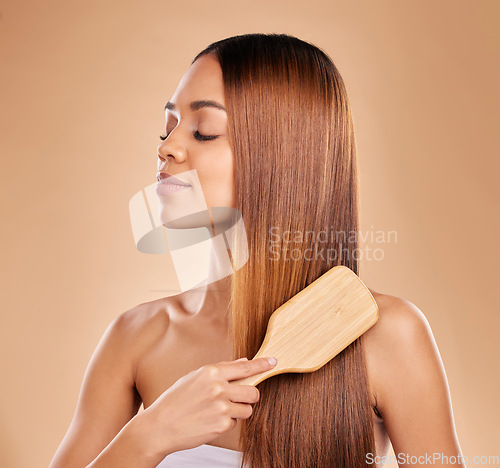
[
  {"x": 140, "y": 327},
  {"x": 144, "y": 318},
  {"x": 401, "y": 336},
  {"x": 398, "y": 317},
  {"x": 108, "y": 398},
  {"x": 408, "y": 379}
]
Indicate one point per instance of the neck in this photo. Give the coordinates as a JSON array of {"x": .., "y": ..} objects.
[{"x": 209, "y": 300}]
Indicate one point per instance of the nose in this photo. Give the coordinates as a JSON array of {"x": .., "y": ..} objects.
[{"x": 173, "y": 149}]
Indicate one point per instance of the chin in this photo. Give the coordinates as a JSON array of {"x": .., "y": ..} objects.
[{"x": 180, "y": 220}]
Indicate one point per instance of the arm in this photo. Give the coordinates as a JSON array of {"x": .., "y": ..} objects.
[
  {"x": 107, "y": 402},
  {"x": 412, "y": 390}
]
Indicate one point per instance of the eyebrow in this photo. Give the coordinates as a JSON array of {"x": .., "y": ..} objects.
[{"x": 196, "y": 105}]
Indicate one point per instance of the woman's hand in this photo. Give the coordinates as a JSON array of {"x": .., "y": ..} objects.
[{"x": 201, "y": 405}]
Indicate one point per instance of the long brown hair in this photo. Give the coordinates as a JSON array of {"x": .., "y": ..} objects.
[{"x": 295, "y": 175}]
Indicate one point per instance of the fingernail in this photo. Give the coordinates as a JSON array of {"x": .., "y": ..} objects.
[
  {"x": 242, "y": 359},
  {"x": 272, "y": 361}
]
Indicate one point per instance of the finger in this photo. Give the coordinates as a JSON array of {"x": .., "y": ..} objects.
[
  {"x": 242, "y": 393},
  {"x": 240, "y": 410},
  {"x": 242, "y": 369}
]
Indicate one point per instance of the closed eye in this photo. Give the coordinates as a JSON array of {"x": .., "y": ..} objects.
[{"x": 198, "y": 136}]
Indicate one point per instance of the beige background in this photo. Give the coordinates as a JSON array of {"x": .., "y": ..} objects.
[{"x": 83, "y": 90}]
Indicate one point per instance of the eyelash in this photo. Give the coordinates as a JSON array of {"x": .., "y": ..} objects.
[{"x": 198, "y": 136}]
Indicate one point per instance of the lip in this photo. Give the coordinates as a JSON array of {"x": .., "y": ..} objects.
[
  {"x": 166, "y": 178},
  {"x": 168, "y": 184}
]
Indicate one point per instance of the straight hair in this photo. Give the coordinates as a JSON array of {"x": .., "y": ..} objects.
[{"x": 295, "y": 169}]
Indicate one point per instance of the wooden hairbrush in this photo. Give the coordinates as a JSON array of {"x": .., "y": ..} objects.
[{"x": 316, "y": 324}]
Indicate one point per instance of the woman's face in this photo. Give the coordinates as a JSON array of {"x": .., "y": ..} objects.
[{"x": 196, "y": 148}]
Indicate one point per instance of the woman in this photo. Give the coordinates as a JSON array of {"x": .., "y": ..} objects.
[{"x": 263, "y": 122}]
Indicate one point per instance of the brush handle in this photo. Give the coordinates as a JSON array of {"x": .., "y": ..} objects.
[{"x": 256, "y": 379}]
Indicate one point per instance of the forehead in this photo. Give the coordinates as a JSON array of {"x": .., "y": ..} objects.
[{"x": 202, "y": 80}]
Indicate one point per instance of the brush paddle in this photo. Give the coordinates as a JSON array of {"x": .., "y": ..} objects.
[{"x": 316, "y": 324}]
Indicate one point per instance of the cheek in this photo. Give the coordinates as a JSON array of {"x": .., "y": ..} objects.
[{"x": 216, "y": 179}]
